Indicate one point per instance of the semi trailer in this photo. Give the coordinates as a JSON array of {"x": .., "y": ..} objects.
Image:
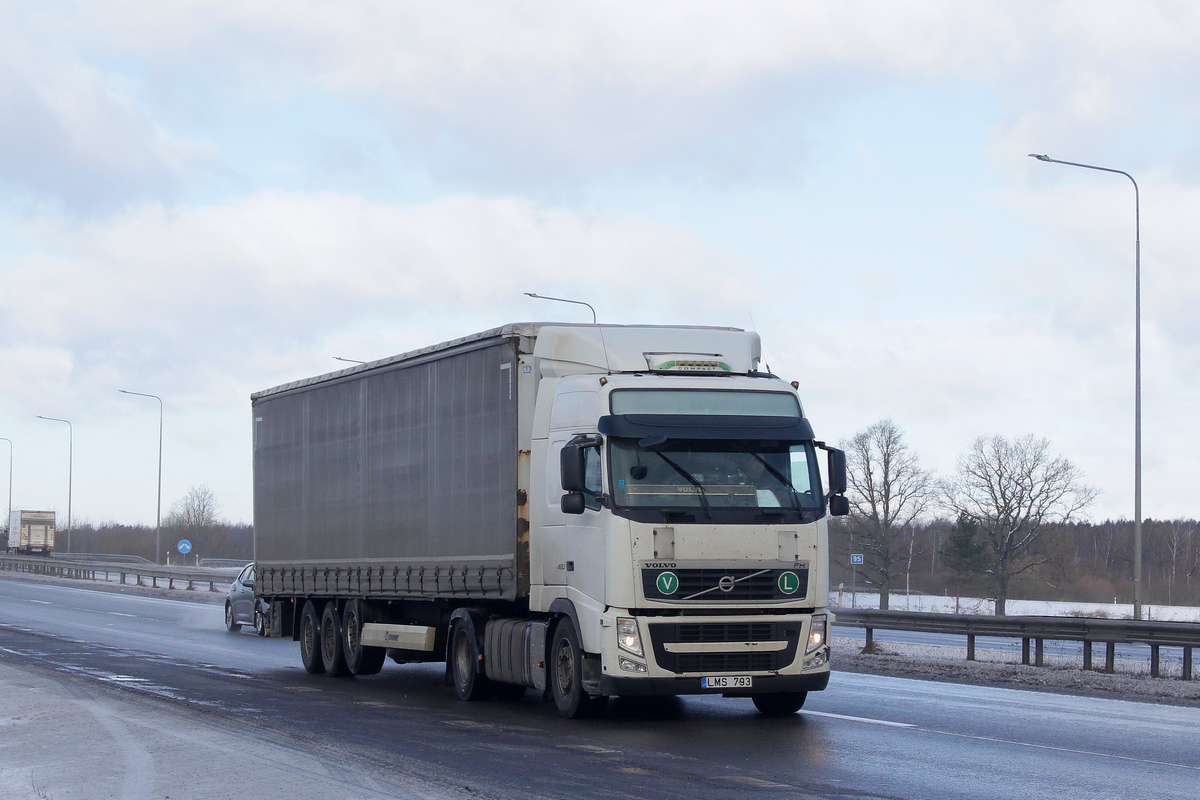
[
  {"x": 585, "y": 510},
  {"x": 31, "y": 532}
]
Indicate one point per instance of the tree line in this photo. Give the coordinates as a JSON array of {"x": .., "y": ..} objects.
[
  {"x": 1006, "y": 524},
  {"x": 195, "y": 516}
]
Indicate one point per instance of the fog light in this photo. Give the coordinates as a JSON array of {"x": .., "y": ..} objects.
[
  {"x": 817, "y": 632},
  {"x": 629, "y": 665},
  {"x": 818, "y": 660},
  {"x": 627, "y": 636}
]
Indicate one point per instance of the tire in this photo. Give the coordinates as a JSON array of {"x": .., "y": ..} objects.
[
  {"x": 231, "y": 624},
  {"x": 332, "y": 655},
  {"x": 779, "y": 704},
  {"x": 310, "y": 639},
  {"x": 262, "y": 625},
  {"x": 360, "y": 660},
  {"x": 463, "y": 657},
  {"x": 566, "y": 675}
]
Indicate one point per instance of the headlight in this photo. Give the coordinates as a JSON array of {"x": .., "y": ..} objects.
[
  {"x": 818, "y": 632},
  {"x": 627, "y": 636}
]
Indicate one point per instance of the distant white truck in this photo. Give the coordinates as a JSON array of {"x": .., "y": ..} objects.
[{"x": 31, "y": 532}]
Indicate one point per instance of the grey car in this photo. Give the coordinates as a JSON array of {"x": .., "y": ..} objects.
[{"x": 242, "y": 607}]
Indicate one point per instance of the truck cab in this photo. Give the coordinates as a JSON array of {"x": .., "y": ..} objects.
[{"x": 681, "y": 519}]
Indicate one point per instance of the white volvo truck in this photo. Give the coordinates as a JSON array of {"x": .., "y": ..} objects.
[{"x": 583, "y": 510}]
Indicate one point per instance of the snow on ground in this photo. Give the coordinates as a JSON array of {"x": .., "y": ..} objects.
[
  {"x": 1131, "y": 680},
  {"x": 1016, "y": 608}
]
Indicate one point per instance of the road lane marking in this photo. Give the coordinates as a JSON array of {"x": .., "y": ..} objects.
[
  {"x": 747, "y": 780},
  {"x": 1064, "y": 749},
  {"x": 588, "y": 748},
  {"x": 889, "y": 723}
]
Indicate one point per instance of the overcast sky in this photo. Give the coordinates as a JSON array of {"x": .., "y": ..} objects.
[{"x": 200, "y": 200}]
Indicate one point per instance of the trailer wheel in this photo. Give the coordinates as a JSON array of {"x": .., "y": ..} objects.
[
  {"x": 332, "y": 655},
  {"x": 310, "y": 639},
  {"x": 464, "y": 664},
  {"x": 778, "y": 704},
  {"x": 230, "y": 624},
  {"x": 566, "y": 679},
  {"x": 360, "y": 659}
]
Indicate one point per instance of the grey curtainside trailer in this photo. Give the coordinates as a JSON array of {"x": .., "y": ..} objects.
[{"x": 400, "y": 479}]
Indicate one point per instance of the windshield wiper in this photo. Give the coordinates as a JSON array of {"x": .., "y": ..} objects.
[
  {"x": 779, "y": 476},
  {"x": 690, "y": 478}
]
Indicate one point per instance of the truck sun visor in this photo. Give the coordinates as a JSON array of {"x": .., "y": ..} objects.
[{"x": 692, "y": 426}]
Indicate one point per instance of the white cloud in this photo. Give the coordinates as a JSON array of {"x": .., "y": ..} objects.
[{"x": 70, "y": 138}]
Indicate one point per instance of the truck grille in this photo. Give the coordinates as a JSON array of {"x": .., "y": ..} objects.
[
  {"x": 727, "y": 662},
  {"x": 724, "y": 632},
  {"x": 663, "y": 633}
]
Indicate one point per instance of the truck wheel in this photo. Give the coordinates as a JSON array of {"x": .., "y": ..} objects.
[
  {"x": 778, "y": 704},
  {"x": 566, "y": 679},
  {"x": 464, "y": 665},
  {"x": 230, "y": 624},
  {"x": 360, "y": 660},
  {"x": 310, "y": 639},
  {"x": 332, "y": 655}
]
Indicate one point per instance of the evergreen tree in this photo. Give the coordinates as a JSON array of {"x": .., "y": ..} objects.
[{"x": 966, "y": 554}]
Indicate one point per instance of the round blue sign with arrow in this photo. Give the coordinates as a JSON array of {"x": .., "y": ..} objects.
[{"x": 184, "y": 546}]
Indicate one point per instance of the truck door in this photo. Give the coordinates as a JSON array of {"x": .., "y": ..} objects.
[{"x": 574, "y": 543}]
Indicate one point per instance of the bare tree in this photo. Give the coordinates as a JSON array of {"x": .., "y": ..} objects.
[
  {"x": 1178, "y": 535},
  {"x": 888, "y": 490},
  {"x": 196, "y": 509},
  {"x": 1017, "y": 492}
]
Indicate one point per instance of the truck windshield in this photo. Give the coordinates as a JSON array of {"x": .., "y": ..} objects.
[{"x": 711, "y": 474}]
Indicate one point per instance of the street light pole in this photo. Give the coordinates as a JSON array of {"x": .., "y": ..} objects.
[
  {"x": 1137, "y": 375},
  {"x": 158, "y": 513},
  {"x": 562, "y": 300},
  {"x": 8, "y": 519},
  {"x": 70, "y": 468}
]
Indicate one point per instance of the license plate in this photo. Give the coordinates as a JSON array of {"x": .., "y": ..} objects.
[{"x": 726, "y": 682}]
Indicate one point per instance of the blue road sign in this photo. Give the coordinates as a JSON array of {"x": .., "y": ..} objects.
[
  {"x": 855, "y": 558},
  {"x": 184, "y": 546}
]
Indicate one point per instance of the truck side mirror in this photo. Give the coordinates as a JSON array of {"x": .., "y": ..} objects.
[
  {"x": 837, "y": 471},
  {"x": 573, "y": 468},
  {"x": 572, "y": 503},
  {"x": 839, "y": 505}
]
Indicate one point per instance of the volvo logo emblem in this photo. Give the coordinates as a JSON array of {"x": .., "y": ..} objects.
[{"x": 726, "y": 583}]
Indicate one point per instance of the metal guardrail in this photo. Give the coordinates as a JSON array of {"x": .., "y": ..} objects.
[
  {"x": 88, "y": 570},
  {"x": 239, "y": 563},
  {"x": 110, "y": 558},
  {"x": 1087, "y": 630}
]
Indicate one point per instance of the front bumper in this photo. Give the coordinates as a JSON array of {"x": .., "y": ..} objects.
[{"x": 613, "y": 685}]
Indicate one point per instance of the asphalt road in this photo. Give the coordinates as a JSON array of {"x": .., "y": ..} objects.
[{"x": 169, "y": 667}]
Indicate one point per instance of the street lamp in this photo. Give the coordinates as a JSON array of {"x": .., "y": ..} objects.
[
  {"x": 158, "y": 513},
  {"x": 8, "y": 519},
  {"x": 1137, "y": 376},
  {"x": 70, "y": 460},
  {"x": 561, "y": 300}
]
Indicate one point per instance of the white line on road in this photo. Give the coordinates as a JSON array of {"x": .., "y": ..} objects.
[{"x": 859, "y": 719}]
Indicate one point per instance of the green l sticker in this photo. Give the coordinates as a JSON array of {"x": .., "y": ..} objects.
[
  {"x": 788, "y": 583},
  {"x": 668, "y": 582}
]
